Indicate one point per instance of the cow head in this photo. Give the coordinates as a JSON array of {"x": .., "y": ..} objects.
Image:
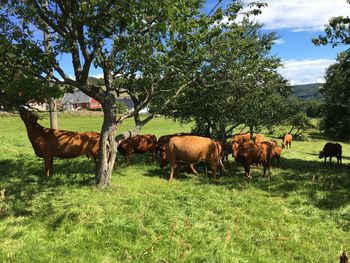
[
  {"x": 28, "y": 116},
  {"x": 235, "y": 145},
  {"x": 321, "y": 154}
]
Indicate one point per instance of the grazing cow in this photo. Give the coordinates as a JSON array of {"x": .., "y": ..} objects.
[
  {"x": 330, "y": 150},
  {"x": 191, "y": 149},
  {"x": 138, "y": 144},
  {"x": 287, "y": 141},
  {"x": 259, "y": 138},
  {"x": 163, "y": 140},
  {"x": 249, "y": 153},
  {"x": 48, "y": 143},
  {"x": 242, "y": 137},
  {"x": 276, "y": 150},
  {"x": 276, "y": 153},
  {"x": 273, "y": 142}
]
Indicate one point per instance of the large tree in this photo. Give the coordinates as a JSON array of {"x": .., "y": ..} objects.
[
  {"x": 336, "y": 91},
  {"x": 147, "y": 49},
  {"x": 240, "y": 84}
]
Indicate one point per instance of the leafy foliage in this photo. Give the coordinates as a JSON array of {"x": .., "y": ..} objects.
[
  {"x": 121, "y": 107},
  {"x": 20, "y": 82},
  {"x": 336, "y": 109},
  {"x": 239, "y": 83}
]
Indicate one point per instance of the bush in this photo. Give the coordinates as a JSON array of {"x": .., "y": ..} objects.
[{"x": 121, "y": 107}]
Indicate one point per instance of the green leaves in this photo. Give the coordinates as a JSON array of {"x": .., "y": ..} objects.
[
  {"x": 336, "y": 91},
  {"x": 235, "y": 79}
]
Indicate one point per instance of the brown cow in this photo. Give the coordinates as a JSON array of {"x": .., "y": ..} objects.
[
  {"x": 242, "y": 137},
  {"x": 257, "y": 153},
  {"x": 259, "y": 138},
  {"x": 48, "y": 143},
  {"x": 276, "y": 152},
  {"x": 138, "y": 144},
  {"x": 273, "y": 142},
  {"x": 287, "y": 141},
  {"x": 163, "y": 140},
  {"x": 234, "y": 150},
  {"x": 191, "y": 149},
  {"x": 330, "y": 150}
]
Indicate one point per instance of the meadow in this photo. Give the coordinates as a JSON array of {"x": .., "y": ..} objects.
[{"x": 300, "y": 214}]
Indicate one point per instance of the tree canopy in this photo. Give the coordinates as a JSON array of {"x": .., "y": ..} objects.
[
  {"x": 336, "y": 92},
  {"x": 239, "y": 83}
]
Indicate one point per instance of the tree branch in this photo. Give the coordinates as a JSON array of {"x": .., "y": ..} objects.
[{"x": 59, "y": 29}]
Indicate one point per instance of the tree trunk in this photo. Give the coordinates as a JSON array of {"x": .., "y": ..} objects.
[
  {"x": 291, "y": 129},
  {"x": 53, "y": 115},
  {"x": 108, "y": 148}
]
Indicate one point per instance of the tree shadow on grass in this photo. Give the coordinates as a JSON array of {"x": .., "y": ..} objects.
[
  {"x": 182, "y": 175},
  {"x": 317, "y": 135},
  {"x": 23, "y": 179},
  {"x": 134, "y": 159},
  {"x": 326, "y": 187}
]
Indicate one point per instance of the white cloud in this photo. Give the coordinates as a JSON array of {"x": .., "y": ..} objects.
[
  {"x": 98, "y": 76},
  {"x": 305, "y": 71},
  {"x": 279, "y": 41},
  {"x": 301, "y": 15}
]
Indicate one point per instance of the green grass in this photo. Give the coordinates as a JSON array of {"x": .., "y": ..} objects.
[{"x": 302, "y": 214}]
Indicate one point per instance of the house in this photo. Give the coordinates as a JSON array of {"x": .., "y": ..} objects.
[{"x": 77, "y": 100}]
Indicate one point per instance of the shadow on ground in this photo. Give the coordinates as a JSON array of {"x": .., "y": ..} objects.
[
  {"x": 23, "y": 179},
  {"x": 326, "y": 187}
]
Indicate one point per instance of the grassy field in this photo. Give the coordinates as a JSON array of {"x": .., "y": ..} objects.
[{"x": 302, "y": 214}]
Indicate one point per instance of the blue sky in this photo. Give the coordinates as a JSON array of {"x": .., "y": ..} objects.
[{"x": 296, "y": 22}]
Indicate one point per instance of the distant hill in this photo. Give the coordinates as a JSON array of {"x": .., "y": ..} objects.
[{"x": 307, "y": 91}]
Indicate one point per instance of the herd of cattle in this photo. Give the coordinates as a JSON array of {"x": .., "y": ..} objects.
[{"x": 173, "y": 149}]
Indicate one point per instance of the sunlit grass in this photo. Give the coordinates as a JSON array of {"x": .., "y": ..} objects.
[{"x": 300, "y": 214}]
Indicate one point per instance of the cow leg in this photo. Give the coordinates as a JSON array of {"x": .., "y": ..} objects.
[
  {"x": 340, "y": 159},
  {"x": 192, "y": 169},
  {"x": 330, "y": 160},
  {"x": 127, "y": 159},
  {"x": 115, "y": 163},
  {"x": 265, "y": 169},
  {"x": 247, "y": 171},
  {"x": 214, "y": 174},
  {"x": 171, "y": 171},
  {"x": 153, "y": 154},
  {"x": 48, "y": 165},
  {"x": 325, "y": 160}
]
